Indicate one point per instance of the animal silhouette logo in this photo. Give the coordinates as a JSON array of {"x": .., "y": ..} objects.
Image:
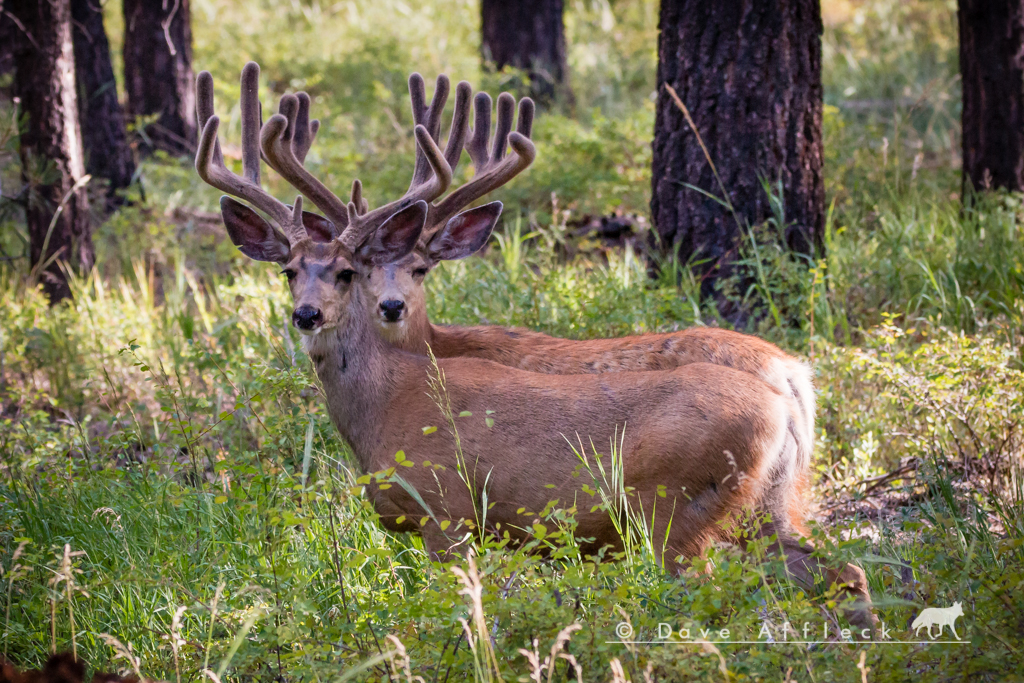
[{"x": 938, "y": 616}]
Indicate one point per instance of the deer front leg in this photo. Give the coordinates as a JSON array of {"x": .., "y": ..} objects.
[{"x": 442, "y": 545}]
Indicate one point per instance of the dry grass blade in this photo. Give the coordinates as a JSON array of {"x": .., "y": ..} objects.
[
  {"x": 399, "y": 660},
  {"x": 486, "y": 662},
  {"x": 121, "y": 651}
]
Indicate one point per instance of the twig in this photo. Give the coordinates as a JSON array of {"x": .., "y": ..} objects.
[
  {"x": 166, "y": 25},
  {"x": 23, "y": 29}
]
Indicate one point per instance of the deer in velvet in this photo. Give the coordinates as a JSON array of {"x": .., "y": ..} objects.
[
  {"x": 398, "y": 301},
  {"x": 712, "y": 438}
]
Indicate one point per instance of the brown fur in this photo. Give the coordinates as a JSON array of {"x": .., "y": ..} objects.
[
  {"x": 59, "y": 668},
  {"x": 538, "y": 352}
]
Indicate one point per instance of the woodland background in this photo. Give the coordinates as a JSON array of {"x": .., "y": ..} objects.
[{"x": 174, "y": 499}]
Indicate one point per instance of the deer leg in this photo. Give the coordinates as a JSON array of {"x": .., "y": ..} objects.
[
  {"x": 685, "y": 530},
  {"x": 441, "y": 546}
]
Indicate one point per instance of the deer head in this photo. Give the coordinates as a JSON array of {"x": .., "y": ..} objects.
[
  {"x": 320, "y": 274},
  {"x": 396, "y": 296},
  {"x": 351, "y": 242}
]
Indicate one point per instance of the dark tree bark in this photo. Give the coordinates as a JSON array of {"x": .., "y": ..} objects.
[
  {"x": 750, "y": 75},
  {"x": 7, "y": 38},
  {"x": 107, "y": 154},
  {"x": 51, "y": 144},
  {"x": 992, "y": 72},
  {"x": 528, "y": 35},
  {"x": 158, "y": 71}
]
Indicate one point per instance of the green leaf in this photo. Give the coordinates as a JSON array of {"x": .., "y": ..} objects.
[
  {"x": 429, "y": 430},
  {"x": 465, "y": 413}
]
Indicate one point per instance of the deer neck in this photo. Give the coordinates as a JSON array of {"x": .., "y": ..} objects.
[
  {"x": 419, "y": 334},
  {"x": 359, "y": 372}
]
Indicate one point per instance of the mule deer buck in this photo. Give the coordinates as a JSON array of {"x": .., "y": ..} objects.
[
  {"x": 398, "y": 301},
  {"x": 709, "y": 440}
]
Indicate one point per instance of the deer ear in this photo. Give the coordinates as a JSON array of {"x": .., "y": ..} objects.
[
  {"x": 252, "y": 234},
  {"x": 396, "y": 238},
  {"x": 464, "y": 234},
  {"x": 319, "y": 228}
]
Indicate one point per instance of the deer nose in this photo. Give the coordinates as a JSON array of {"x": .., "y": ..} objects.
[
  {"x": 392, "y": 309},
  {"x": 307, "y": 317}
]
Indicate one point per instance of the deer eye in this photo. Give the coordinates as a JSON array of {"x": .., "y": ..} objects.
[
  {"x": 420, "y": 272},
  {"x": 289, "y": 273},
  {"x": 346, "y": 276}
]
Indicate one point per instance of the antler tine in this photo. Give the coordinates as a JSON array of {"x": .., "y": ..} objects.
[
  {"x": 428, "y": 116},
  {"x": 210, "y": 161},
  {"x": 305, "y": 130},
  {"x": 506, "y": 112},
  {"x": 249, "y": 103},
  {"x": 524, "y": 126},
  {"x": 494, "y": 169},
  {"x": 357, "y": 203},
  {"x": 481, "y": 133},
  {"x": 460, "y": 125},
  {"x": 277, "y": 140},
  {"x": 204, "y": 109}
]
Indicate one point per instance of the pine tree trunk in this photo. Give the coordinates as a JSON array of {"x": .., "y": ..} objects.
[
  {"x": 527, "y": 35},
  {"x": 51, "y": 144},
  {"x": 7, "y": 38},
  {"x": 750, "y": 75},
  {"x": 992, "y": 71},
  {"x": 107, "y": 154},
  {"x": 158, "y": 71}
]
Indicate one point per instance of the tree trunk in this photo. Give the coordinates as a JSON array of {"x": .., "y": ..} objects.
[
  {"x": 158, "y": 72},
  {"x": 527, "y": 35},
  {"x": 51, "y": 144},
  {"x": 107, "y": 154},
  {"x": 992, "y": 72},
  {"x": 750, "y": 75},
  {"x": 7, "y": 37}
]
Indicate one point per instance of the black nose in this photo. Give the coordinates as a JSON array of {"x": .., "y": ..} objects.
[
  {"x": 392, "y": 309},
  {"x": 307, "y": 317}
]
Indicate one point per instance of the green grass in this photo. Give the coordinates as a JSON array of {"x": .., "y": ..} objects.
[{"x": 166, "y": 425}]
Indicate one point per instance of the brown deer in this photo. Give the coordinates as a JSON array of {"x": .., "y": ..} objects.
[
  {"x": 398, "y": 300},
  {"x": 697, "y": 442}
]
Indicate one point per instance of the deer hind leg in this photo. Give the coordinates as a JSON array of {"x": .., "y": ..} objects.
[
  {"x": 685, "y": 530},
  {"x": 442, "y": 546}
]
